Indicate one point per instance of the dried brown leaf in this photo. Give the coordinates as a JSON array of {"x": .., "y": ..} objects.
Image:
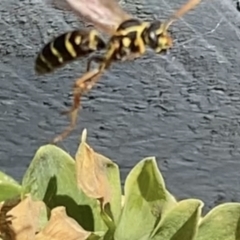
[
  {"x": 26, "y": 216},
  {"x": 91, "y": 172},
  {"x": 6, "y": 230},
  {"x": 60, "y": 226}
]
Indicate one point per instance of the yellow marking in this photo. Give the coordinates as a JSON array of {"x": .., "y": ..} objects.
[
  {"x": 139, "y": 43},
  {"x": 139, "y": 37},
  {"x": 138, "y": 28},
  {"x": 78, "y": 40},
  {"x": 69, "y": 46},
  {"x": 113, "y": 46},
  {"x": 165, "y": 42},
  {"x": 92, "y": 41},
  {"x": 56, "y": 53},
  {"x": 126, "y": 42},
  {"x": 45, "y": 61}
]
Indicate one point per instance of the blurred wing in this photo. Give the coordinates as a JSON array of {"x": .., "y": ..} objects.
[{"x": 105, "y": 15}]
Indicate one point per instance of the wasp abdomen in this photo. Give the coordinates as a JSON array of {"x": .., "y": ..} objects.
[{"x": 67, "y": 47}]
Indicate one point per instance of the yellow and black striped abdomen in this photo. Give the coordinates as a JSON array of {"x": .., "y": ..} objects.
[{"x": 67, "y": 47}]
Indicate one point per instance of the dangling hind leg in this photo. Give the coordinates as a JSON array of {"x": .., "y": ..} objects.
[
  {"x": 81, "y": 86},
  {"x": 96, "y": 59}
]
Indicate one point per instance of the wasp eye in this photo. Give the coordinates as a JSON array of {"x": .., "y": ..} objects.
[
  {"x": 153, "y": 36},
  {"x": 152, "y": 39}
]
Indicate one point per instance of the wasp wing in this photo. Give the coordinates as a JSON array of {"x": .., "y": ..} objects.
[{"x": 105, "y": 15}]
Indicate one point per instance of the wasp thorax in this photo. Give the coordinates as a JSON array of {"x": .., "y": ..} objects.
[{"x": 157, "y": 37}]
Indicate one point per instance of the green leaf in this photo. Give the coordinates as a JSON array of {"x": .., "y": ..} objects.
[
  {"x": 9, "y": 188},
  {"x": 115, "y": 188},
  {"x": 181, "y": 222},
  {"x": 145, "y": 200},
  {"x": 221, "y": 223},
  {"x": 112, "y": 211},
  {"x": 96, "y": 236},
  {"x": 51, "y": 177}
]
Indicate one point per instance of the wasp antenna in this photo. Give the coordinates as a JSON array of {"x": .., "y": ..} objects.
[
  {"x": 204, "y": 34},
  {"x": 180, "y": 12}
]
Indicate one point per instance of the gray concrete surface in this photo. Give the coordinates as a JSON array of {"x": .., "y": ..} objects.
[{"x": 183, "y": 108}]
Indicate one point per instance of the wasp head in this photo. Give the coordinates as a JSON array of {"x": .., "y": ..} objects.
[{"x": 157, "y": 37}]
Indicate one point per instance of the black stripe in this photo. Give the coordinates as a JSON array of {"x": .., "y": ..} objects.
[
  {"x": 41, "y": 67},
  {"x": 129, "y": 23},
  {"x": 60, "y": 45},
  {"x": 48, "y": 54},
  {"x": 83, "y": 48}
]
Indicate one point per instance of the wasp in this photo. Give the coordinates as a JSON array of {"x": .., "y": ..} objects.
[{"x": 129, "y": 38}]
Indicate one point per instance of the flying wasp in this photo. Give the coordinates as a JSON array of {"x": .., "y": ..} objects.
[{"x": 129, "y": 38}]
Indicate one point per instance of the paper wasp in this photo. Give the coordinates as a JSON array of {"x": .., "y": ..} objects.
[{"x": 129, "y": 38}]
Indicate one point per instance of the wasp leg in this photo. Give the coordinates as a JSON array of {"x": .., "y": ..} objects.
[
  {"x": 81, "y": 86},
  {"x": 97, "y": 59}
]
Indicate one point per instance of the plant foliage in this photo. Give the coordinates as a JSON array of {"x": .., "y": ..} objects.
[{"x": 61, "y": 197}]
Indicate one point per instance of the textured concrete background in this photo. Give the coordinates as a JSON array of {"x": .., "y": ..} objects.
[{"x": 183, "y": 108}]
